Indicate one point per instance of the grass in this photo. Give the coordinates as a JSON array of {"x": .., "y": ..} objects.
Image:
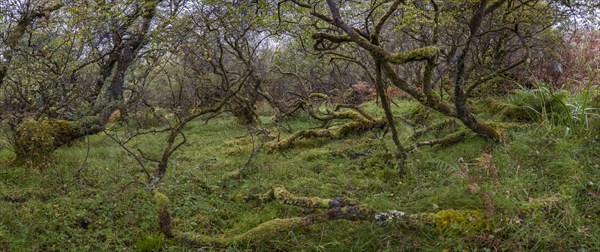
[{"x": 544, "y": 187}]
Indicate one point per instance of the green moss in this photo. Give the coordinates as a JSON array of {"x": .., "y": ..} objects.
[
  {"x": 36, "y": 140},
  {"x": 162, "y": 201},
  {"x": 240, "y": 146},
  {"x": 360, "y": 126},
  {"x": 286, "y": 197},
  {"x": 414, "y": 55},
  {"x": 164, "y": 217},
  {"x": 235, "y": 174},
  {"x": 460, "y": 221},
  {"x": 262, "y": 232},
  {"x": 319, "y": 95}
]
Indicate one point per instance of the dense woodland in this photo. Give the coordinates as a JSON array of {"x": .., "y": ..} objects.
[{"x": 287, "y": 125}]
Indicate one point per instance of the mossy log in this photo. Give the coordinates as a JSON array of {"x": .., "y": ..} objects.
[
  {"x": 282, "y": 195},
  {"x": 459, "y": 222},
  {"x": 444, "y": 141},
  {"x": 262, "y": 232},
  {"x": 288, "y": 141},
  {"x": 361, "y": 122},
  {"x": 357, "y": 127},
  {"x": 37, "y": 139}
]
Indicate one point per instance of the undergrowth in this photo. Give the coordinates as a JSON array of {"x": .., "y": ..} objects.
[{"x": 537, "y": 191}]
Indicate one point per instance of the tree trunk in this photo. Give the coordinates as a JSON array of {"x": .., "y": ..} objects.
[{"x": 37, "y": 139}]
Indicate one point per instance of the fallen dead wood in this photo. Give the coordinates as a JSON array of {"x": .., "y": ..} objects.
[
  {"x": 444, "y": 141},
  {"x": 360, "y": 121},
  {"x": 465, "y": 221}
]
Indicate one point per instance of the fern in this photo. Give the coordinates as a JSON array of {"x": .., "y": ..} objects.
[{"x": 443, "y": 166}]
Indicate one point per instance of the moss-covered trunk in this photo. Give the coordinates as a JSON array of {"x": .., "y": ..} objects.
[{"x": 35, "y": 140}]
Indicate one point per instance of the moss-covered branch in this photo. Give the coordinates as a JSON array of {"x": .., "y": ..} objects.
[
  {"x": 288, "y": 141},
  {"x": 331, "y": 37},
  {"x": 447, "y": 221},
  {"x": 464, "y": 222},
  {"x": 361, "y": 122},
  {"x": 413, "y": 55},
  {"x": 262, "y": 232},
  {"x": 282, "y": 195},
  {"x": 37, "y": 139},
  {"x": 444, "y": 141}
]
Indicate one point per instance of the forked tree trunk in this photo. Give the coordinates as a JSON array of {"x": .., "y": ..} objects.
[{"x": 35, "y": 139}]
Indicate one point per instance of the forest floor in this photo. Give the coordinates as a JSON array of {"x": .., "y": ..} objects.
[{"x": 539, "y": 190}]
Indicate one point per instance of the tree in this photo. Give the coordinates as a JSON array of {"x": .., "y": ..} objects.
[
  {"x": 435, "y": 30},
  {"x": 100, "y": 52},
  {"x": 17, "y": 17}
]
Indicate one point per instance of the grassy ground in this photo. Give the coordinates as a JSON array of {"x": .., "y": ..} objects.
[{"x": 540, "y": 189}]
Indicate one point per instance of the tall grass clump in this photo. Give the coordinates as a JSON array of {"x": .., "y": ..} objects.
[
  {"x": 534, "y": 105},
  {"x": 577, "y": 113}
]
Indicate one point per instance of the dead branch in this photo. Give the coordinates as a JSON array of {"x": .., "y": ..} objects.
[
  {"x": 360, "y": 121},
  {"x": 463, "y": 221},
  {"x": 445, "y": 141}
]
